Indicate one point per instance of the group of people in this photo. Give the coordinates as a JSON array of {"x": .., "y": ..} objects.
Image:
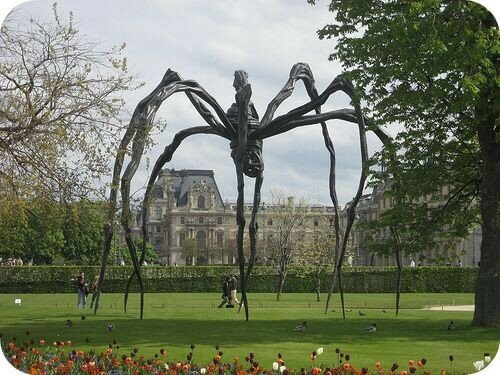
[
  {"x": 229, "y": 288},
  {"x": 83, "y": 290}
]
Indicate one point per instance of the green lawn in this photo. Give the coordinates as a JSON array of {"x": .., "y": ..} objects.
[{"x": 175, "y": 321}]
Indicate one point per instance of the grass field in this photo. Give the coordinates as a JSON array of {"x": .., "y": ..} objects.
[{"x": 175, "y": 321}]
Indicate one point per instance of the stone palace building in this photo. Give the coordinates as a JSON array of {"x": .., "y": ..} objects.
[{"x": 189, "y": 223}]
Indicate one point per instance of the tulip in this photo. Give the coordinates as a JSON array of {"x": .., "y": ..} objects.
[
  {"x": 319, "y": 351},
  {"x": 203, "y": 370},
  {"x": 276, "y": 366},
  {"x": 282, "y": 368}
]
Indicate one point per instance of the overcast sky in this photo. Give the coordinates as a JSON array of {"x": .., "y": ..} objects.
[{"x": 208, "y": 40}]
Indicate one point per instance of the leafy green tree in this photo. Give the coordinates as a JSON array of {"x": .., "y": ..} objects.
[
  {"x": 31, "y": 230},
  {"x": 82, "y": 229},
  {"x": 60, "y": 107},
  {"x": 431, "y": 68},
  {"x": 149, "y": 258}
]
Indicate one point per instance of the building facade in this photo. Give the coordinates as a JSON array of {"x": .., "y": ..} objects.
[{"x": 189, "y": 223}]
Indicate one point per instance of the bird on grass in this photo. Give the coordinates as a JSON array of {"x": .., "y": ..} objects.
[
  {"x": 111, "y": 327},
  {"x": 372, "y": 328},
  {"x": 451, "y": 326},
  {"x": 301, "y": 327},
  {"x": 361, "y": 313},
  {"x": 69, "y": 323},
  {"x": 348, "y": 310}
]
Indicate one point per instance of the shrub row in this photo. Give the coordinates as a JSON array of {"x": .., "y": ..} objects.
[{"x": 57, "y": 279}]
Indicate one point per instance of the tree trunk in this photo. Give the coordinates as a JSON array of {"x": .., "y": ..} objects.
[
  {"x": 487, "y": 293},
  {"x": 281, "y": 283},
  {"x": 399, "y": 280},
  {"x": 318, "y": 286}
]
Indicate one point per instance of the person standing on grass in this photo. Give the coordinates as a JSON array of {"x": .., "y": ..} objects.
[
  {"x": 82, "y": 288},
  {"x": 233, "y": 285},
  {"x": 94, "y": 290},
  {"x": 226, "y": 295}
]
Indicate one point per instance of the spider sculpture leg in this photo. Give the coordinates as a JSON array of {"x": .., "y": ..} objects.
[
  {"x": 137, "y": 131},
  {"x": 298, "y": 117}
]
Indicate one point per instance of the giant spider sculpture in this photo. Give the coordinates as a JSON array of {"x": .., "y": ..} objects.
[{"x": 241, "y": 126}]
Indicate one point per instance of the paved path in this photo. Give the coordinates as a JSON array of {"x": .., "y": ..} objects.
[{"x": 452, "y": 308}]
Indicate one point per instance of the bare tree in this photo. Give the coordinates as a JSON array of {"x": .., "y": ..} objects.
[
  {"x": 60, "y": 107},
  {"x": 318, "y": 248},
  {"x": 283, "y": 226}
]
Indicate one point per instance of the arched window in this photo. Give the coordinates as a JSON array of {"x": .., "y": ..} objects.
[
  {"x": 201, "y": 238},
  {"x": 201, "y": 202},
  {"x": 158, "y": 213},
  {"x": 182, "y": 238}
]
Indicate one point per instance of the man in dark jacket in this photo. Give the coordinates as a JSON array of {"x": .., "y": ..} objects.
[{"x": 226, "y": 295}]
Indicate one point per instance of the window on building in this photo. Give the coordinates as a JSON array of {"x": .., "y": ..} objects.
[
  {"x": 220, "y": 239},
  {"x": 201, "y": 202},
  {"x": 158, "y": 241},
  {"x": 219, "y": 220},
  {"x": 200, "y": 220},
  {"x": 158, "y": 228},
  {"x": 183, "y": 220},
  {"x": 182, "y": 238},
  {"x": 158, "y": 213},
  {"x": 331, "y": 222},
  {"x": 316, "y": 222}
]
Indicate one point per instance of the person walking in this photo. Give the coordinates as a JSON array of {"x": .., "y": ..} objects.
[
  {"x": 226, "y": 295},
  {"x": 82, "y": 290},
  {"x": 233, "y": 286},
  {"x": 93, "y": 288}
]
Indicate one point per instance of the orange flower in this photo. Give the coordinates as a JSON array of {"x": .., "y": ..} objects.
[
  {"x": 420, "y": 364},
  {"x": 377, "y": 364},
  {"x": 128, "y": 360},
  {"x": 315, "y": 371},
  {"x": 178, "y": 365},
  {"x": 42, "y": 342},
  {"x": 411, "y": 363},
  {"x": 346, "y": 366},
  {"x": 11, "y": 345},
  {"x": 185, "y": 368},
  {"x": 403, "y": 373}
]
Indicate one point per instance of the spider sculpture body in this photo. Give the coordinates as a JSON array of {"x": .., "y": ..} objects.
[{"x": 241, "y": 126}]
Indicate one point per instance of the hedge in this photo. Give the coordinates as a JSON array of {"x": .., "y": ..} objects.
[{"x": 57, "y": 279}]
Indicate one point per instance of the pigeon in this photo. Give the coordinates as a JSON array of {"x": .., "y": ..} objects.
[
  {"x": 301, "y": 327},
  {"x": 69, "y": 323},
  {"x": 361, "y": 313},
  {"x": 111, "y": 327},
  {"x": 348, "y": 310},
  {"x": 451, "y": 326},
  {"x": 372, "y": 328}
]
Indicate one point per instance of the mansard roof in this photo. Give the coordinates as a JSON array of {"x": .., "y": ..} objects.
[{"x": 185, "y": 180}]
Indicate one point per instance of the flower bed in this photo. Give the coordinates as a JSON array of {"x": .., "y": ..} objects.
[{"x": 60, "y": 358}]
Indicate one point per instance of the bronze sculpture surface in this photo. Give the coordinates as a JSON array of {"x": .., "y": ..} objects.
[{"x": 241, "y": 126}]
